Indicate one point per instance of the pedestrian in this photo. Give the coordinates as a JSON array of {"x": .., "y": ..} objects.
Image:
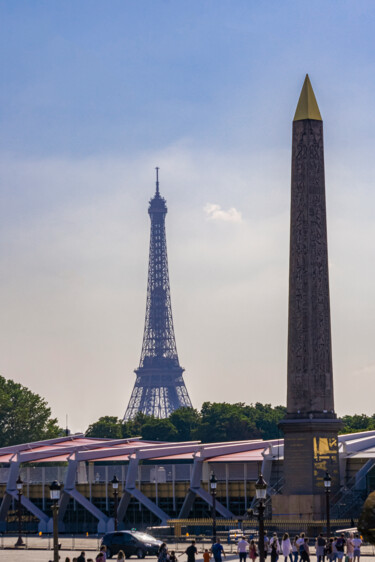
[
  {"x": 242, "y": 548},
  {"x": 329, "y": 549},
  {"x": 266, "y": 544},
  {"x": 320, "y": 544},
  {"x": 163, "y": 553},
  {"x": 191, "y": 551},
  {"x": 275, "y": 548},
  {"x": 340, "y": 545},
  {"x": 100, "y": 557},
  {"x": 295, "y": 548},
  {"x": 217, "y": 551},
  {"x": 207, "y": 555},
  {"x": 350, "y": 547},
  {"x": 67, "y": 559},
  {"x": 103, "y": 549},
  {"x": 172, "y": 556},
  {"x": 357, "y": 541},
  {"x": 82, "y": 557},
  {"x": 286, "y": 547},
  {"x": 305, "y": 555},
  {"x": 300, "y": 542},
  {"x": 121, "y": 555},
  {"x": 253, "y": 550}
]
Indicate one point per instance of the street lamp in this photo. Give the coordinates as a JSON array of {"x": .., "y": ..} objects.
[
  {"x": 115, "y": 483},
  {"x": 261, "y": 494},
  {"x": 327, "y": 487},
  {"x": 19, "y": 485},
  {"x": 54, "y": 491},
  {"x": 213, "y": 484}
]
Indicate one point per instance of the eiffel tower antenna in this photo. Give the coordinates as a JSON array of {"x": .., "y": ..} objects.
[
  {"x": 157, "y": 181},
  {"x": 159, "y": 387}
]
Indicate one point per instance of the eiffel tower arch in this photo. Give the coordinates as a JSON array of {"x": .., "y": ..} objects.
[{"x": 159, "y": 387}]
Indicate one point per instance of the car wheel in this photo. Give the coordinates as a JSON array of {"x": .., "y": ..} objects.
[
  {"x": 109, "y": 553},
  {"x": 140, "y": 553}
]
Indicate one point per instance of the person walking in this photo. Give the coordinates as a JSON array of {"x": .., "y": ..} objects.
[
  {"x": 217, "y": 551},
  {"x": 253, "y": 550},
  {"x": 295, "y": 549},
  {"x": 275, "y": 548},
  {"x": 320, "y": 545},
  {"x": 286, "y": 547},
  {"x": 242, "y": 548},
  {"x": 163, "y": 553},
  {"x": 191, "y": 551},
  {"x": 82, "y": 557},
  {"x": 340, "y": 546},
  {"x": 207, "y": 555},
  {"x": 266, "y": 544},
  {"x": 350, "y": 547},
  {"x": 300, "y": 542},
  {"x": 121, "y": 555},
  {"x": 305, "y": 554},
  {"x": 357, "y": 541}
]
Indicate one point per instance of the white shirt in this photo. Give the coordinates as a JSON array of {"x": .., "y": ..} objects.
[
  {"x": 242, "y": 546},
  {"x": 357, "y": 543}
]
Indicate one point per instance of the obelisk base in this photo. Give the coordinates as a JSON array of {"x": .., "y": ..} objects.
[
  {"x": 303, "y": 506},
  {"x": 310, "y": 451}
]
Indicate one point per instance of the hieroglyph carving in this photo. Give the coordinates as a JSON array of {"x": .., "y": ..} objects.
[{"x": 310, "y": 387}]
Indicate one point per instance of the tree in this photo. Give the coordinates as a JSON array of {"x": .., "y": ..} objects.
[
  {"x": 358, "y": 422},
  {"x": 105, "y": 427},
  {"x": 133, "y": 428},
  {"x": 186, "y": 421},
  {"x": 24, "y": 416},
  {"x": 159, "y": 430}
]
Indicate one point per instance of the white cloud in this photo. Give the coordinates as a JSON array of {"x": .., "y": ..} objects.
[{"x": 216, "y": 213}]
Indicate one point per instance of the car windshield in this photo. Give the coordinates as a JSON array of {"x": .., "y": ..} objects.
[{"x": 144, "y": 536}]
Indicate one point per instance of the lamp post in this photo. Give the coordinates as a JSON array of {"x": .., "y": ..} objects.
[
  {"x": 213, "y": 484},
  {"x": 19, "y": 485},
  {"x": 261, "y": 494},
  {"x": 115, "y": 483},
  {"x": 327, "y": 487},
  {"x": 54, "y": 490}
]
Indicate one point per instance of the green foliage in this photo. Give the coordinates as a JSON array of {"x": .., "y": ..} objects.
[
  {"x": 215, "y": 422},
  {"x": 133, "y": 428},
  {"x": 366, "y": 522},
  {"x": 24, "y": 416},
  {"x": 159, "y": 430},
  {"x": 106, "y": 426},
  {"x": 236, "y": 422},
  {"x": 358, "y": 422},
  {"x": 186, "y": 421}
]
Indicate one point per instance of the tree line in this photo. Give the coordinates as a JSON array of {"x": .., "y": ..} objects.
[
  {"x": 25, "y": 416},
  {"x": 215, "y": 422}
]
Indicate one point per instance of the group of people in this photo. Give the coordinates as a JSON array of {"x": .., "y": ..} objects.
[
  {"x": 298, "y": 549},
  {"x": 100, "y": 557}
]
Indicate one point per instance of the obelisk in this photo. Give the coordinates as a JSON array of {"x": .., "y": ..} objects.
[{"x": 311, "y": 425}]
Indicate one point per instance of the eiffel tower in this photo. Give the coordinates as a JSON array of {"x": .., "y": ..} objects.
[{"x": 159, "y": 387}]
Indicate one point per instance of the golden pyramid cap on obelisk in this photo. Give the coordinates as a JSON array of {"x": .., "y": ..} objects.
[{"x": 307, "y": 107}]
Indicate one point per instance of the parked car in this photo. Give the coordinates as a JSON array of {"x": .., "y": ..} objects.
[{"x": 131, "y": 542}]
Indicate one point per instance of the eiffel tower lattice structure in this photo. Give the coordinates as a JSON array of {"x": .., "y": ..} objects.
[{"x": 159, "y": 387}]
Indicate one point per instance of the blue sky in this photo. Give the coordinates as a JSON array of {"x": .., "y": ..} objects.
[{"x": 94, "y": 95}]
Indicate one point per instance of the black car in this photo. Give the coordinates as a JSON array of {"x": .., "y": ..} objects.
[{"x": 131, "y": 542}]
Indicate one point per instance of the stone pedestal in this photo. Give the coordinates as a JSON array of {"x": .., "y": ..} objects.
[
  {"x": 303, "y": 506},
  {"x": 310, "y": 450}
]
